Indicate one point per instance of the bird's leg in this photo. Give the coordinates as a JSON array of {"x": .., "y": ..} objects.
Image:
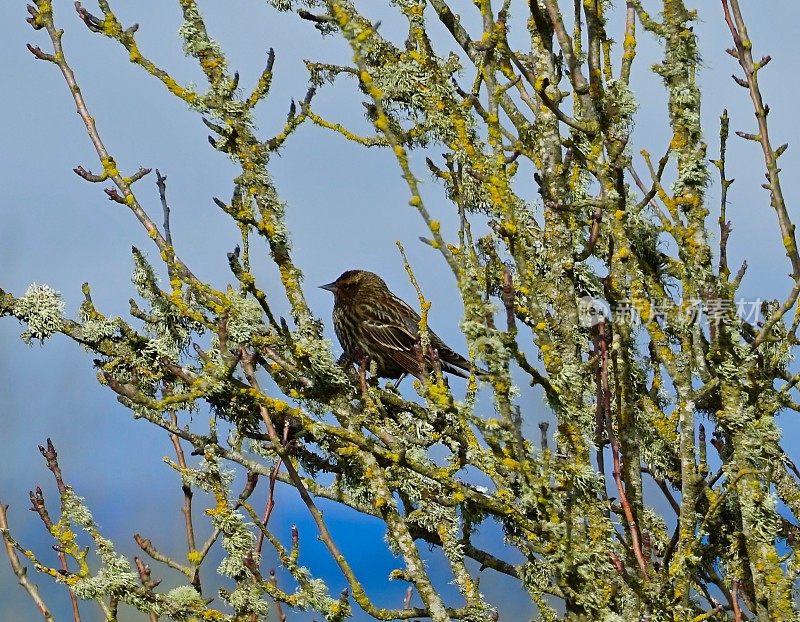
[
  {"x": 288, "y": 437},
  {"x": 420, "y": 356},
  {"x": 433, "y": 355},
  {"x": 395, "y": 386},
  {"x": 363, "y": 366}
]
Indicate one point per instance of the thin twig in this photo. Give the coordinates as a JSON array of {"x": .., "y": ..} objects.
[
  {"x": 42, "y": 17},
  {"x": 147, "y": 546},
  {"x": 605, "y": 395},
  {"x": 147, "y": 581},
  {"x": 744, "y": 55},
  {"x": 278, "y": 607},
  {"x": 38, "y": 506},
  {"x": 162, "y": 193},
  {"x": 19, "y": 570},
  {"x": 724, "y": 225},
  {"x": 273, "y": 477},
  {"x": 186, "y": 508},
  {"x": 777, "y": 316}
]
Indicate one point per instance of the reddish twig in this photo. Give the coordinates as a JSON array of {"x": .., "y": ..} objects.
[
  {"x": 278, "y": 608},
  {"x": 139, "y": 174},
  {"x": 144, "y": 574},
  {"x": 51, "y": 457},
  {"x": 38, "y": 53},
  {"x": 273, "y": 477},
  {"x": 114, "y": 195},
  {"x": 147, "y": 581},
  {"x": 324, "y": 534},
  {"x": 507, "y": 296},
  {"x": 603, "y": 408},
  {"x": 737, "y": 612},
  {"x": 725, "y": 183},
  {"x": 89, "y": 176},
  {"x": 186, "y": 508},
  {"x": 605, "y": 395},
  {"x": 594, "y": 234},
  {"x": 617, "y": 563},
  {"x": 38, "y": 506},
  {"x": 249, "y": 487},
  {"x": 363, "y": 366}
]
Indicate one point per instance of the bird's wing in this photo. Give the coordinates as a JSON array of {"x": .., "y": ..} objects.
[
  {"x": 396, "y": 333},
  {"x": 394, "y": 324},
  {"x": 450, "y": 360}
]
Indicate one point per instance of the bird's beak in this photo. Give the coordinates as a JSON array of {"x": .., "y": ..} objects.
[{"x": 331, "y": 287}]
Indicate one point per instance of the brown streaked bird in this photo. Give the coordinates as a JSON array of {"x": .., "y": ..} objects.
[{"x": 372, "y": 323}]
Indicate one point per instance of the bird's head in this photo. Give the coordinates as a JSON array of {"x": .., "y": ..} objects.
[{"x": 353, "y": 283}]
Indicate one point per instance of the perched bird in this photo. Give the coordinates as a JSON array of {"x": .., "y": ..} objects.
[{"x": 372, "y": 324}]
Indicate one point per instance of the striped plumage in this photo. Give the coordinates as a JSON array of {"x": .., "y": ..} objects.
[{"x": 372, "y": 323}]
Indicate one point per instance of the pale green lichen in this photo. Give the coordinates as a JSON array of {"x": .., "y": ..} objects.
[
  {"x": 185, "y": 598},
  {"x": 621, "y": 106},
  {"x": 316, "y": 352},
  {"x": 411, "y": 91},
  {"x": 244, "y": 320},
  {"x": 74, "y": 510},
  {"x": 95, "y": 330},
  {"x": 237, "y": 542},
  {"x": 288, "y": 5},
  {"x": 171, "y": 330},
  {"x": 247, "y": 599},
  {"x": 196, "y": 41},
  {"x": 115, "y": 576},
  {"x": 208, "y": 475},
  {"x": 42, "y": 308},
  {"x": 315, "y": 595}
]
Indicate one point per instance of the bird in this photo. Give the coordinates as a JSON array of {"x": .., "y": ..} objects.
[{"x": 372, "y": 324}]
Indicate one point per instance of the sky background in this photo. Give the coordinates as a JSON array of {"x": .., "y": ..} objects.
[{"x": 346, "y": 206}]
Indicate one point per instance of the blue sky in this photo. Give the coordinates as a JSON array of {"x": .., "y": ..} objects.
[{"x": 346, "y": 206}]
